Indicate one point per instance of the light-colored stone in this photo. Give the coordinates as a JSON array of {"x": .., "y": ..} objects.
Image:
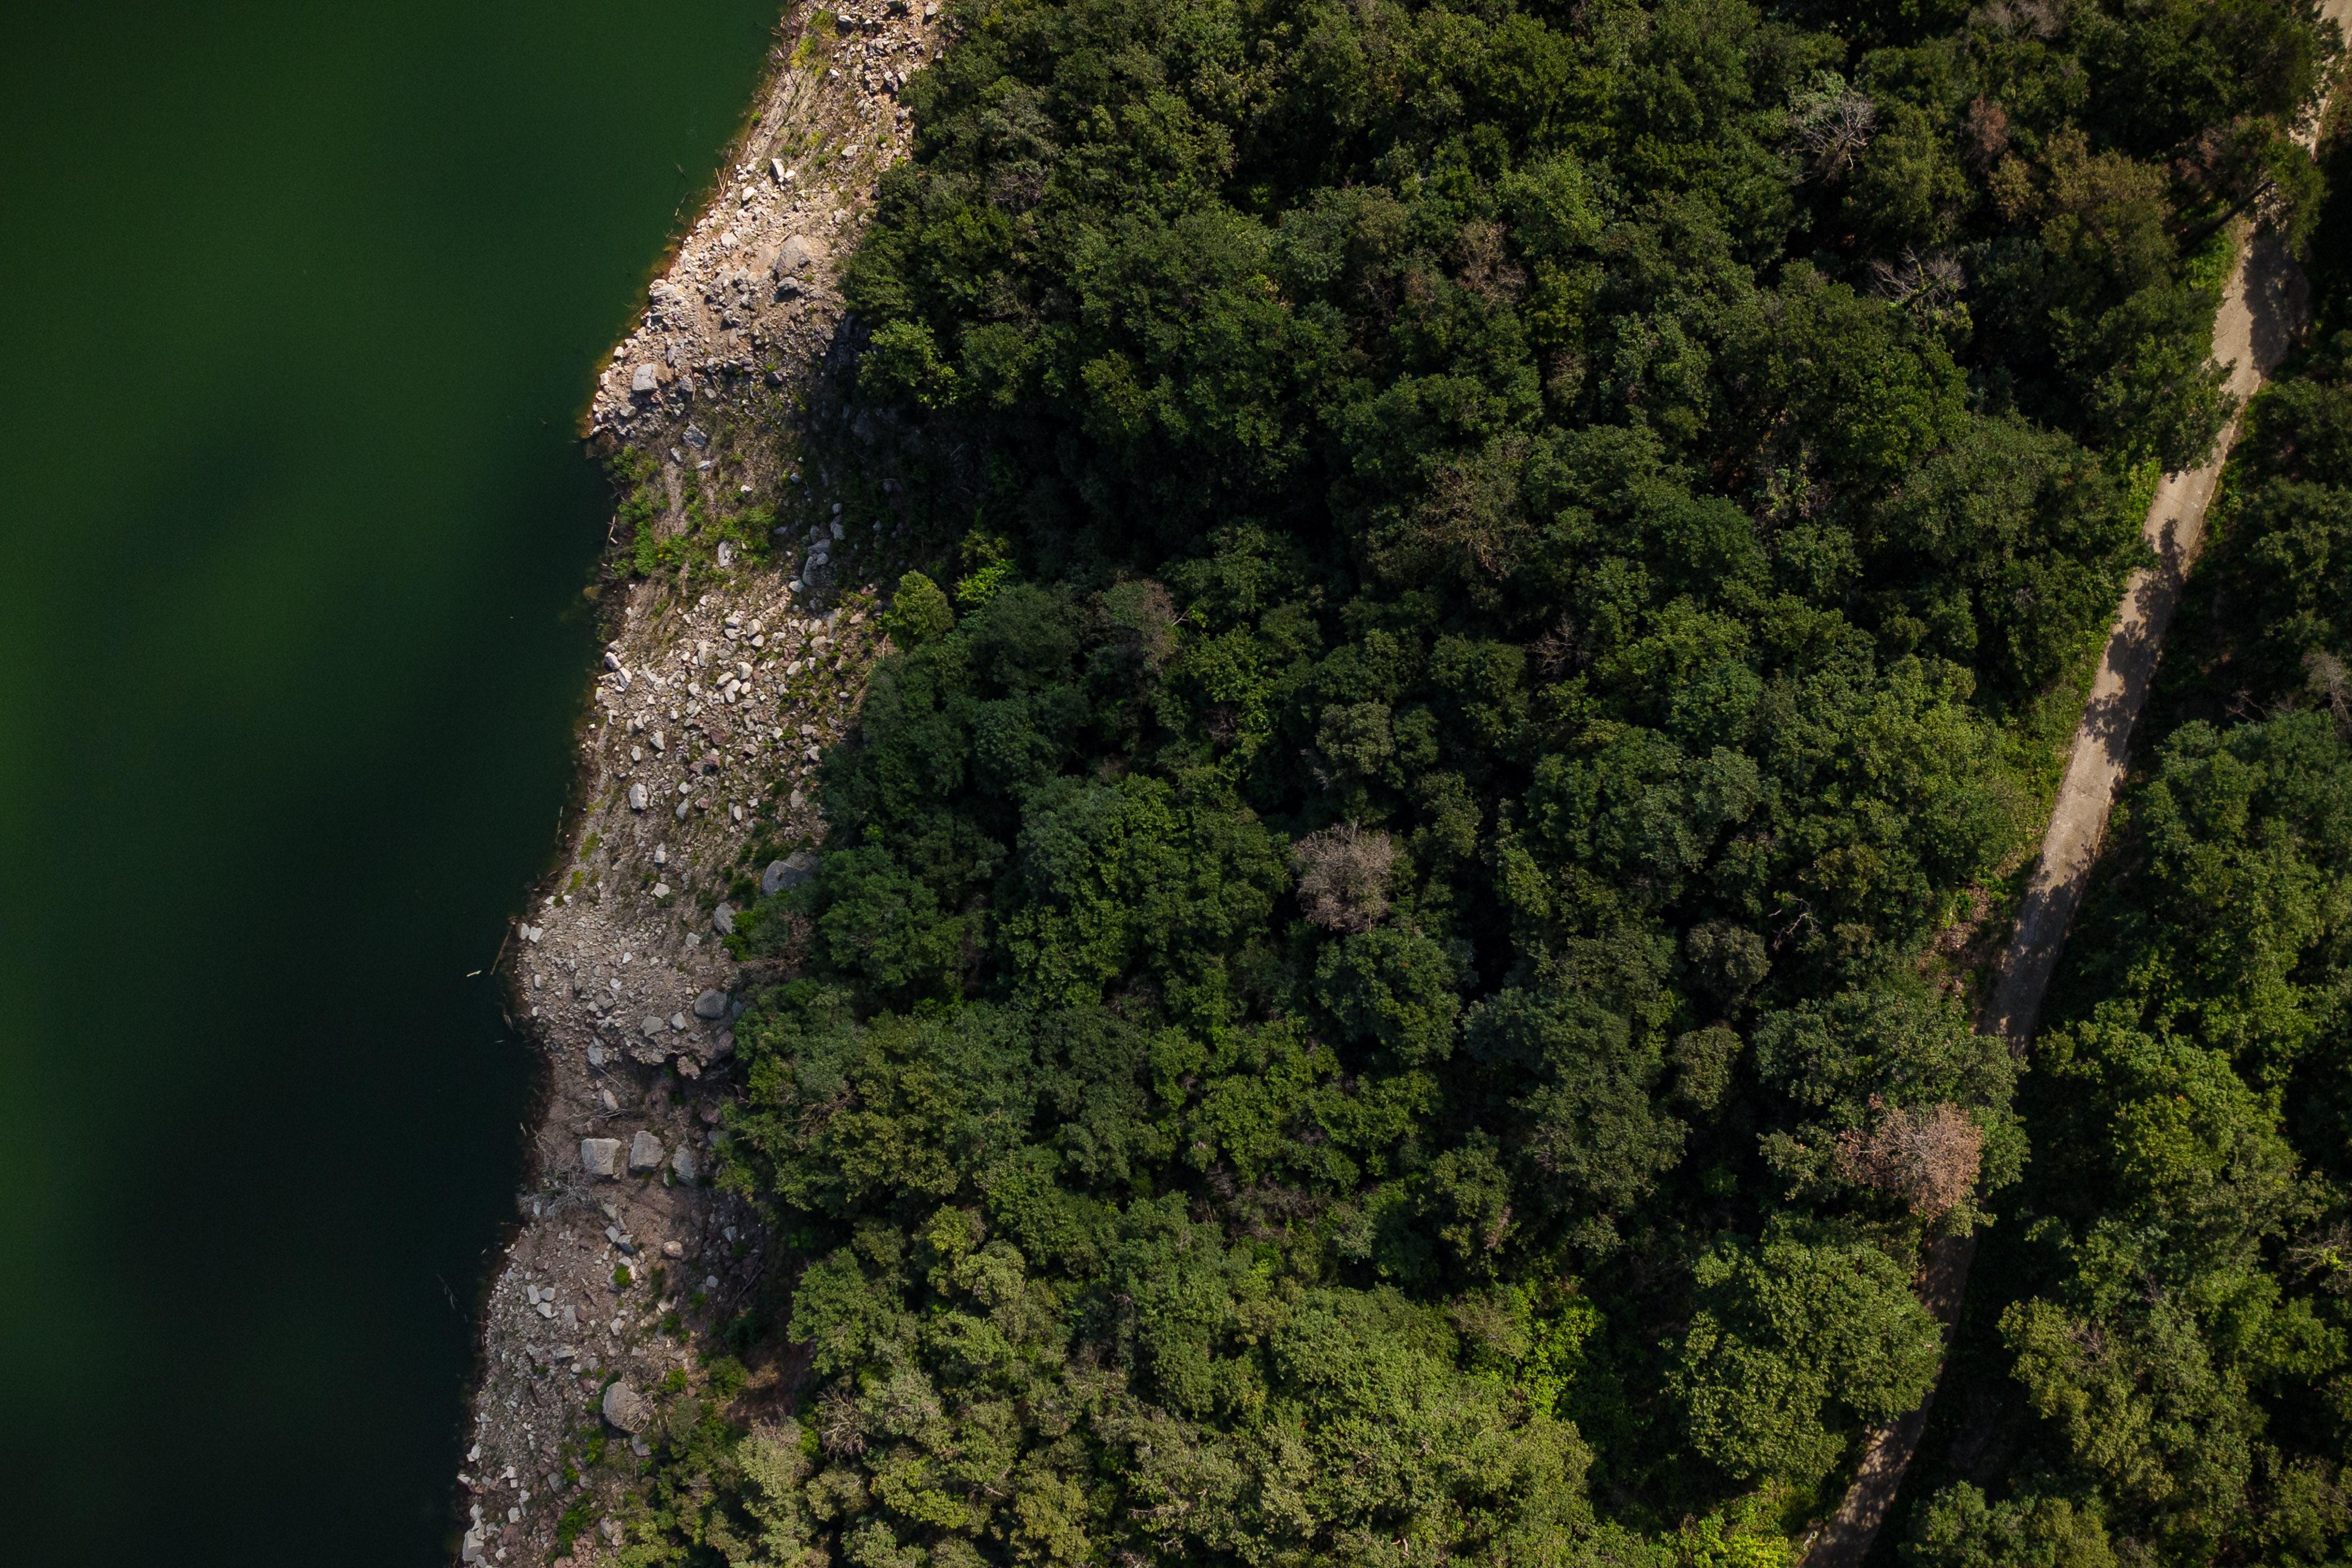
[
  {"x": 645, "y": 1151},
  {"x": 712, "y": 1004},
  {"x": 601, "y": 1156},
  {"x": 682, "y": 1164},
  {"x": 652, "y": 1026},
  {"x": 625, "y": 1407},
  {"x": 797, "y": 255},
  {"x": 639, "y": 797},
  {"x": 722, "y": 920},
  {"x": 644, "y": 379}
]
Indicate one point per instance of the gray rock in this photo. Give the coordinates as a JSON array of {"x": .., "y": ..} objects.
[
  {"x": 722, "y": 920},
  {"x": 724, "y": 1046},
  {"x": 601, "y": 1156},
  {"x": 678, "y": 1022},
  {"x": 625, "y": 1407},
  {"x": 797, "y": 256},
  {"x": 639, "y": 797},
  {"x": 711, "y": 1004},
  {"x": 791, "y": 871},
  {"x": 595, "y": 1055},
  {"x": 646, "y": 1151},
  {"x": 681, "y": 1163},
  {"x": 652, "y": 1026},
  {"x": 696, "y": 438},
  {"x": 645, "y": 381}
]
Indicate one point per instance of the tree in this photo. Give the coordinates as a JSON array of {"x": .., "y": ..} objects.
[{"x": 1791, "y": 1344}]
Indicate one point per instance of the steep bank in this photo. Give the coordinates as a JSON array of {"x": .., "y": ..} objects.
[{"x": 725, "y": 673}]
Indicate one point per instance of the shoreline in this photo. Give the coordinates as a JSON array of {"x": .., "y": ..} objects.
[{"x": 725, "y": 671}]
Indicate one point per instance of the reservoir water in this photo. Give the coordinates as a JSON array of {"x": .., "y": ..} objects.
[{"x": 301, "y": 305}]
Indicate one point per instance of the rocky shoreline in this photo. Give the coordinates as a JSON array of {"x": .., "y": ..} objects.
[{"x": 727, "y": 668}]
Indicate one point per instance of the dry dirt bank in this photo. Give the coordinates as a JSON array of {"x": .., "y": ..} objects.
[{"x": 725, "y": 673}]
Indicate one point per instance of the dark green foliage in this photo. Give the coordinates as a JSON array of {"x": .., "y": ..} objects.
[
  {"x": 1961, "y": 1530},
  {"x": 1351, "y": 955},
  {"x": 2177, "y": 1339},
  {"x": 918, "y": 612},
  {"x": 1793, "y": 1344}
]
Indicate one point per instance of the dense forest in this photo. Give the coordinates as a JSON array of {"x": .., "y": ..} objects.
[
  {"x": 1393, "y": 977},
  {"x": 2159, "y": 1346}
]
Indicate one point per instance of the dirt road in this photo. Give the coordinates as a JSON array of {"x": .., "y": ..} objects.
[{"x": 2265, "y": 306}]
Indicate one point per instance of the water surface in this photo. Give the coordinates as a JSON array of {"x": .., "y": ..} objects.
[{"x": 300, "y": 303}]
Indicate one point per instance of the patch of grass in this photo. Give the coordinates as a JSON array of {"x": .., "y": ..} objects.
[
  {"x": 814, "y": 53},
  {"x": 575, "y": 1523}
]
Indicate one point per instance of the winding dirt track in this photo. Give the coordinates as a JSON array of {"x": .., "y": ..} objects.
[{"x": 2263, "y": 309}]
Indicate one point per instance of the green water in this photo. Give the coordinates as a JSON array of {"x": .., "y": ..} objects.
[{"x": 300, "y": 303}]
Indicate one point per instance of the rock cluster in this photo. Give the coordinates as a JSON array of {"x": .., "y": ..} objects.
[{"x": 707, "y": 718}]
